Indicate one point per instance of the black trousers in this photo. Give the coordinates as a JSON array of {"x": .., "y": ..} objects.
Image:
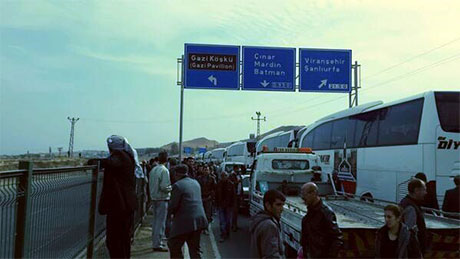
[
  {"x": 207, "y": 206},
  {"x": 193, "y": 242},
  {"x": 235, "y": 209},
  {"x": 118, "y": 234}
]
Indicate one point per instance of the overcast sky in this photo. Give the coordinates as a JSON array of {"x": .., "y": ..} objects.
[{"x": 113, "y": 64}]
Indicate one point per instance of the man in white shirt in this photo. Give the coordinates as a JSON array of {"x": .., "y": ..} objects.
[{"x": 160, "y": 193}]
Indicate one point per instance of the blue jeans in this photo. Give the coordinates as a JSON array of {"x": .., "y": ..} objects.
[
  {"x": 160, "y": 209},
  {"x": 225, "y": 220}
]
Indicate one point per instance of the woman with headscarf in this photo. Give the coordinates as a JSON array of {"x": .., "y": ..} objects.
[{"x": 118, "y": 198}]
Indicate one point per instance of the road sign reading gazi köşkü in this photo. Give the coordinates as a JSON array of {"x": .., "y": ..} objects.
[
  {"x": 268, "y": 69},
  {"x": 325, "y": 70},
  {"x": 212, "y": 66}
]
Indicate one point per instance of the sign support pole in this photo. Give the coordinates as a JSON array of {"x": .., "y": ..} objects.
[
  {"x": 181, "y": 120},
  {"x": 353, "y": 95}
]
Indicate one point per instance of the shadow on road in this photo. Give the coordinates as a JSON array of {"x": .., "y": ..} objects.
[{"x": 237, "y": 246}]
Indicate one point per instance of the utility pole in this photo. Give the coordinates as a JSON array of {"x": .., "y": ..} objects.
[
  {"x": 72, "y": 131},
  {"x": 258, "y": 122},
  {"x": 353, "y": 95}
]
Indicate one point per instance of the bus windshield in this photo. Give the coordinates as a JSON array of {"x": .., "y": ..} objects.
[{"x": 448, "y": 106}]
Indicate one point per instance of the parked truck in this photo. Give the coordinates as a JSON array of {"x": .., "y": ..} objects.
[{"x": 288, "y": 169}]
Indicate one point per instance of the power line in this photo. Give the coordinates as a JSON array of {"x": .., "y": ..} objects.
[
  {"x": 129, "y": 121},
  {"x": 440, "y": 62},
  {"x": 412, "y": 58},
  {"x": 413, "y": 72},
  {"x": 416, "y": 71},
  {"x": 313, "y": 105}
]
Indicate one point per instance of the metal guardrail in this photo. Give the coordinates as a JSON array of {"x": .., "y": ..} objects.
[{"x": 51, "y": 213}]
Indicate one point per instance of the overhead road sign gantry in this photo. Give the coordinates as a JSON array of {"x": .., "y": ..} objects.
[
  {"x": 212, "y": 67},
  {"x": 325, "y": 70},
  {"x": 268, "y": 68}
]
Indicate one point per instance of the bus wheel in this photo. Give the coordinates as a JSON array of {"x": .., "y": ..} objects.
[{"x": 367, "y": 197}]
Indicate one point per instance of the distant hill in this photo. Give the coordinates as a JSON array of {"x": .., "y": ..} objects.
[
  {"x": 173, "y": 147},
  {"x": 194, "y": 143}
]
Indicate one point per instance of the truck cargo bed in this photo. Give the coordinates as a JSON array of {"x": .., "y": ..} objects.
[{"x": 354, "y": 213}]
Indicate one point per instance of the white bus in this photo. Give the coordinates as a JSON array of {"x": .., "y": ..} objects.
[
  {"x": 238, "y": 152},
  {"x": 298, "y": 134},
  {"x": 376, "y": 148},
  {"x": 207, "y": 157},
  {"x": 270, "y": 142},
  {"x": 217, "y": 155},
  {"x": 288, "y": 138}
]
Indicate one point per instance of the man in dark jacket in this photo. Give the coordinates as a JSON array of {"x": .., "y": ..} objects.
[
  {"x": 413, "y": 216},
  {"x": 236, "y": 179},
  {"x": 172, "y": 178},
  {"x": 208, "y": 185},
  {"x": 321, "y": 236},
  {"x": 172, "y": 173},
  {"x": 451, "y": 198},
  {"x": 188, "y": 215},
  {"x": 190, "y": 162},
  {"x": 430, "y": 200},
  {"x": 265, "y": 227},
  {"x": 118, "y": 198},
  {"x": 225, "y": 199}
]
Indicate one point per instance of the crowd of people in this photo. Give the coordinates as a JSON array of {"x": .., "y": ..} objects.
[
  {"x": 185, "y": 196},
  {"x": 221, "y": 191}
]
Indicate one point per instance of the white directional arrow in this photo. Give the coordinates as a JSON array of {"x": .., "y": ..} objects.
[
  {"x": 323, "y": 83},
  {"x": 264, "y": 83},
  {"x": 212, "y": 79}
]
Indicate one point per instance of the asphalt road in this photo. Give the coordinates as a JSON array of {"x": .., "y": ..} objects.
[{"x": 237, "y": 246}]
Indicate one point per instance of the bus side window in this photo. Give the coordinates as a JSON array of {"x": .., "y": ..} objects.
[
  {"x": 323, "y": 136},
  {"x": 400, "y": 123},
  {"x": 366, "y": 129},
  {"x": 308, "y": 141},
  {"x": 339, "y": 131}
]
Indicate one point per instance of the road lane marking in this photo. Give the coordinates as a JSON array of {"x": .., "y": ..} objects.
[{"x": 213, "y": 243}]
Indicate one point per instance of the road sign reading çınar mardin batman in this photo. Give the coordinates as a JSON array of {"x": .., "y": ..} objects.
[
  {"x": 211, "y": 66},
  {"x": 268, "y": 68}
]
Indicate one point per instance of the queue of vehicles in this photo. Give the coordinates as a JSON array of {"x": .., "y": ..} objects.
[{"x": 376, "y": 148}]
